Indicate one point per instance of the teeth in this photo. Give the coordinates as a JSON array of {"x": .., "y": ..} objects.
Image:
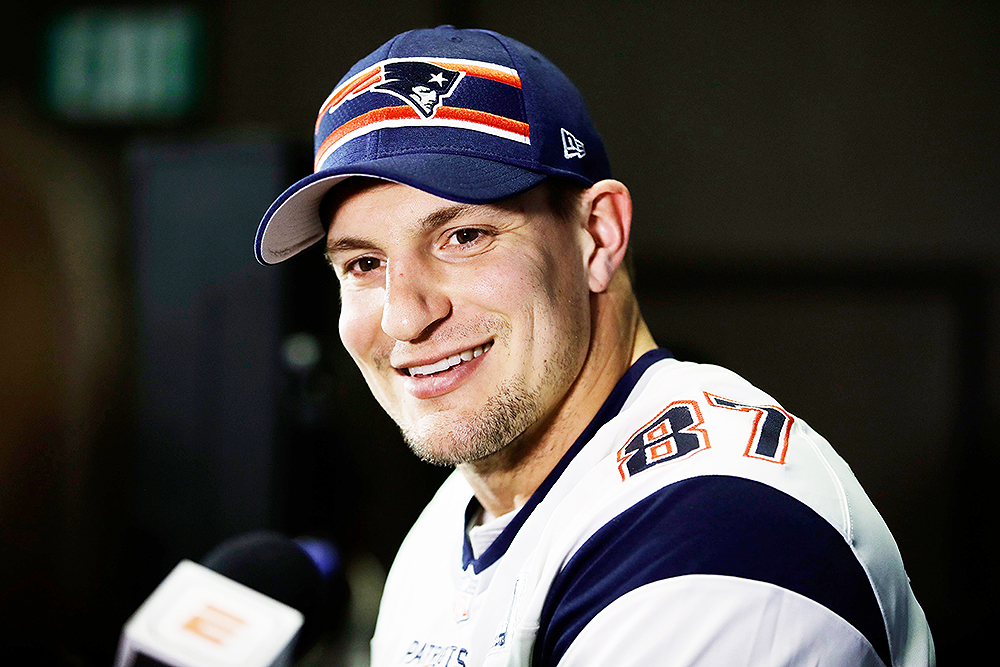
[{"x": 449, "y": 362}]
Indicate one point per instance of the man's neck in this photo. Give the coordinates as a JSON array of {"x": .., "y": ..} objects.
[{"x": 505, "y": 481}]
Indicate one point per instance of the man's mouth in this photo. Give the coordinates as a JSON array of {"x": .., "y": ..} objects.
[{"x": 448, "y": 362}]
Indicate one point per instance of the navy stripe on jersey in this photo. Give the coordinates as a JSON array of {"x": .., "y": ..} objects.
[
  {"x": 710, "y": 525},
  {"x": 611, "y": 407}
]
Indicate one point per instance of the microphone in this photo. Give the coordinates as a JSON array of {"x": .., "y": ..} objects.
[{"x": 257, "y": 600}]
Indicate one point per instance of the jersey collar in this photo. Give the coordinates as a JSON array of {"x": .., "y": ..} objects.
[{"x": 611, "y": 407}]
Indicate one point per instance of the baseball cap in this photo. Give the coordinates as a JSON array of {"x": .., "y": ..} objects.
[{"x": 468, "y": 115}]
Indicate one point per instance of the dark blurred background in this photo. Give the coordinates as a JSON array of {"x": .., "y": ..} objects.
[{"x": 816, "y": 201}]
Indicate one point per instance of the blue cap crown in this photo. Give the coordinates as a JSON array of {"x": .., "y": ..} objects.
[{"x": 468, "y": 115}]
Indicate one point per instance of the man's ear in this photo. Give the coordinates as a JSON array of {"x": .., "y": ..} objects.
[{"x": 609, "y": 207}]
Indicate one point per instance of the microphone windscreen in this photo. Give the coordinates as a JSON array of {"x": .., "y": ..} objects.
[
  {"x": 305, "y": 574},
  {"x": 272, "y": 564}
]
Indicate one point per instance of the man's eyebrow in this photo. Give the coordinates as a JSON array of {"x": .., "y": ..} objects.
[
  {"x": 348, "y": 243},
  {"x": 443, "y": 216},
  {"x": 427, "y": 224}
]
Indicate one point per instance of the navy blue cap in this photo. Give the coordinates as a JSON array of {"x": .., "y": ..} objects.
[{"x": 468, "y": 115}]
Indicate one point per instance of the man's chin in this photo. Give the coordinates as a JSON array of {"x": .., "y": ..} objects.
[
  {"x": 467, "y": 438},
  {"x": 448, "y": 448}
]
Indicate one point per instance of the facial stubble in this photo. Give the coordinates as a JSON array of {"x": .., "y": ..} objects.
[{"x": 498, "y": 422}]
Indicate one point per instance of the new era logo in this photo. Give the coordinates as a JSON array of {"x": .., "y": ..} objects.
[{"x": 572, "y": 147}]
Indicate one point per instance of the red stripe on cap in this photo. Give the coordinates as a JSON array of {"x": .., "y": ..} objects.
[
  {"x": 360, "y": 82},
  {"x": 483, "y": 118},
  {"x": 405, "y": 112},
  {"x": 358, "y": 122}
]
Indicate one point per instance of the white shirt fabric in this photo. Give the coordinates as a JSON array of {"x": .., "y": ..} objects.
[{"x": 693, "y": 523}]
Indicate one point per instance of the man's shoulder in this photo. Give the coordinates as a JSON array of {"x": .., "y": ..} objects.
[
  {"x": 671, "y": 376},
  {"x": 702, "y": 474},
  {"x": 685, "y": 419},
  {"x": 720, "y": 527}
]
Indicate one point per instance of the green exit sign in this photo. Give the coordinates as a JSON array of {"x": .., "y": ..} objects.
[{"x": 125, "y": 65}]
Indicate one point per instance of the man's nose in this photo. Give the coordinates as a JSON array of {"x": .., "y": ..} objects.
[{"x": 414, "y": 300}]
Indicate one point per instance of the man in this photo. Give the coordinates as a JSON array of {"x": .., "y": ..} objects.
[{"x": 610, "y": 505}]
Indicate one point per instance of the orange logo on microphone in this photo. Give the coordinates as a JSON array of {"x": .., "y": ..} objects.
[{"x": 214, "y": 624}]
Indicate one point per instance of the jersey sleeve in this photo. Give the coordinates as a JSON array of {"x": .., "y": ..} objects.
[
  {"x": 709, "y": 620},
  {"x": 711, "y": 570}
]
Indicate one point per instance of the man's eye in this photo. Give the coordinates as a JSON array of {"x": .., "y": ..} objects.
[
  {"x": 364, "y": 264},
  {"x": 464, "y": 236}
]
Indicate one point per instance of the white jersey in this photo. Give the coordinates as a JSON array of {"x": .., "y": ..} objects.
[{"x": 694, "y": 522}]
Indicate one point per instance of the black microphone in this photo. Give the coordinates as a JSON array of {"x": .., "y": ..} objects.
[{"x": 257, "y": 600}]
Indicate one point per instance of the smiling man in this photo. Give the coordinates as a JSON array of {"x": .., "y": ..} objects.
[
  {"x": 610, "y": 504},
  {"x": 475, "y": 337}
]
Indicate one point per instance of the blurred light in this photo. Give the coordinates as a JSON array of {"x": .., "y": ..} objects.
[
  {"x": 301, "y": 351},
  {"x": 323, "y": 553}
]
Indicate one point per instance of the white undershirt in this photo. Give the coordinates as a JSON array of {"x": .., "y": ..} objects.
[{"x": 485, "y": 528}]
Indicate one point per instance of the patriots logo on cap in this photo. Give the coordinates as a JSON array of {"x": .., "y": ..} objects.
[
  {"x": 482, "y": 97},
  {"x": 421, "y": 85}
]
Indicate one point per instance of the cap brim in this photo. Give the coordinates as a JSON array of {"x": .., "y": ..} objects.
[{"x": 293, "y": 224}]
